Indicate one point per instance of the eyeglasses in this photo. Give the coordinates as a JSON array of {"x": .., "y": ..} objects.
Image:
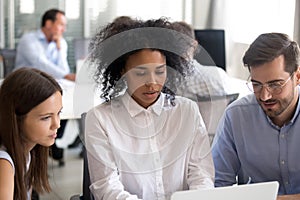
[{"x": 274, "y": 87}]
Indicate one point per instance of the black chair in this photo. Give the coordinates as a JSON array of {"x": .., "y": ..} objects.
[
  {"x": 9, "y": 57},
  {"x": 86, "y": 194}
]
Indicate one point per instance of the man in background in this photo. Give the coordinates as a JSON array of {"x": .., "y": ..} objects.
[
  {"x": 205, "y": 81},
  {"x": 46, "y": 49}
]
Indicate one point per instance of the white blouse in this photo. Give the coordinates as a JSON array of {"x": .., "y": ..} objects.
[
  {"x": 6, "y": 156},
  {"x": 138, "y": 153}
]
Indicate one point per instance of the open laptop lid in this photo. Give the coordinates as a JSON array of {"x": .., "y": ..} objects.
[{"x": 255, "y": 191}]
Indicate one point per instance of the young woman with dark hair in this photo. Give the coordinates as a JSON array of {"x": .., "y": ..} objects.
[
  {"x": 30, "y": 105},
  {"x": 144, "y": 142}
]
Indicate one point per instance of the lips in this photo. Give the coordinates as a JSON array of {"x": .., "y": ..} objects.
[
  {"x": 269, "y": 104},
  {"x": 151, "y": 94},
  {"x": 53, "y": 136}
]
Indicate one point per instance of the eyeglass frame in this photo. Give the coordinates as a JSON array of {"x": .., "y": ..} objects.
[{"x": 249, "y": 84}]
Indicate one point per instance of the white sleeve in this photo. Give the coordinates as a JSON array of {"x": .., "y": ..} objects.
[
  {"x": 6, "y": 156},
  {"x": 200, "y": 166},
  {"x": 105, "y": 182}
]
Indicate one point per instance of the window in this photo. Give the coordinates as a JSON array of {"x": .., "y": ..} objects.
[
  {"x": 26, "y": 6},
  {"x": 248, "y": 19},
  {"x": 72, "y": 9},
  {"x": 151, "y": 9}
]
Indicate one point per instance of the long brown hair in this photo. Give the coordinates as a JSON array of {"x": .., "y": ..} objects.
[{"x": 20, "y": 92}]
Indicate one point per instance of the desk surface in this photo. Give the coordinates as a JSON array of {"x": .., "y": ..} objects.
[{"x": 289, "y": 197}]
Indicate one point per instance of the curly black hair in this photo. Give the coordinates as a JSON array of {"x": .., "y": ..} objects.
[{"x": 110, "y": 48}]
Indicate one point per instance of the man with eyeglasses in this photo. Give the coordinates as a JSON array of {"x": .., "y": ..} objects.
[{"x": 258, "y": 137}]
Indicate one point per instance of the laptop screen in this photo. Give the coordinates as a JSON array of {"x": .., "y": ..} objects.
[{"x": 256, "y": 191}]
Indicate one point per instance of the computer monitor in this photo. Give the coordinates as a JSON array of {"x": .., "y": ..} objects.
[{"x": 212, "y": 47}]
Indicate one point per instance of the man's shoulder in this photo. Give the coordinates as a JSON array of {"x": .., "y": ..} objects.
[
  {"x": 29, "y": 36},
  {"x": 247, "y": 103}
]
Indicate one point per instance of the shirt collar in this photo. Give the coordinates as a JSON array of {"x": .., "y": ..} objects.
[
  {"x": 297, "y": 108},
  {"x": 41, "y": 35},
  {"x": 134, "y": 108}
]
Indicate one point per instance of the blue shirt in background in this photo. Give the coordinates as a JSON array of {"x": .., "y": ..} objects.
[{"x": 35, "y": 51}]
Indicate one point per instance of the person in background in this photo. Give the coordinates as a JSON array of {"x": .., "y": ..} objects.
[
  {"x": 144, "y": 142},
  {"x": 46, "y": 49},
  {"x": 30, "y": 104},
  {"x": 257, "y": 138},
  {"x": 205, "y": 81}
]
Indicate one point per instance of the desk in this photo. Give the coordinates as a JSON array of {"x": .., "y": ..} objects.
[
  {"x": 289, "y": 197},
  {"x": 77, "y": 98}
]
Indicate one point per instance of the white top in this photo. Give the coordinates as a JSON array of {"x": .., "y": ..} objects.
[
  {"x": 6, "y": 156},
  {"x": 138, "y": 153}
]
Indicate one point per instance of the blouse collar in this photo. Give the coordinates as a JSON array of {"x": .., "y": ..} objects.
[{"x": 134, "y": 108}]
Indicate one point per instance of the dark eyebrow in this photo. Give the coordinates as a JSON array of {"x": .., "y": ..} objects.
[
  {"x": 43, "y": 114},
  {"x": 144, "y": 67},
  {"x": 272, "y": 81},
  {"x": 161, "y": 66}
]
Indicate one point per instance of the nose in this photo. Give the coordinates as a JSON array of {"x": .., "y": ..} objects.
[
  {"x": 151, "y": 79},
  {"x": 55, "y": 123},
  {"x": 265, "y": 94}
]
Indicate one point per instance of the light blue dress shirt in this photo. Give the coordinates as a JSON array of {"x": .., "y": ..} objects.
[
  {"x": 248, "y": 145},
  {"x": 35, "y": 51}
]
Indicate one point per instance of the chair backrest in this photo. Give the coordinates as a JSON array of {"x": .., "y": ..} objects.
[
  {"x": 86, "y": 194},
  {"x": 9, "y": 57},
  {"x": 212, "y": 108}
]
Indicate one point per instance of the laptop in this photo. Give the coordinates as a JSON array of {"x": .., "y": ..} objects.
[{"x": 255, "y": 191}]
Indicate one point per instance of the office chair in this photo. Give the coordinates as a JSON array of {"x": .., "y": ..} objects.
[
  {"x": 86, "y": 194},
  {"x": 8, "y": 56},
  {"x": 212, "y": 109}
]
